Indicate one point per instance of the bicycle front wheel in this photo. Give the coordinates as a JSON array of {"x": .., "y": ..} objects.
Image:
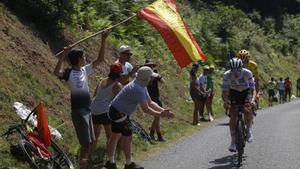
[
  {"x": 31, "y": 154},
  {"x": 240, "y": 140}
]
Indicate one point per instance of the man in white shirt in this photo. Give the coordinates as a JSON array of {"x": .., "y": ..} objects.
[
  {"x": 128, "y": 69},
  {"x": 280, "y": 87}
]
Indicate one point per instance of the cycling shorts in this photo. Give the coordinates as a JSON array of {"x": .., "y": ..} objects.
[{"x": 237, "y": 97}]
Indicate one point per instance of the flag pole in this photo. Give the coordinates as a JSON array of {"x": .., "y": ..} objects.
[{"x": 97, "y": 33}]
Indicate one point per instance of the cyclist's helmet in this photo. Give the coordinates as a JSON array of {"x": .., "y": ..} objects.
[
  {"x": 244, "y": 54},
  {"x": 236, "y": 64}
]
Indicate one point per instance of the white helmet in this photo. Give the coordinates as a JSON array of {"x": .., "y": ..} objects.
[{"x": 236, "y": 63}]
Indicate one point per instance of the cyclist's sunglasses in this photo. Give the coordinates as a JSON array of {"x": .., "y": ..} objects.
[{"x": 236, "y": 69}]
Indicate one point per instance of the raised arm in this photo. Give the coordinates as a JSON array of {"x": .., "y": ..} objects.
[
  {"x": 102, "y": 49},
  {"x": 59, "y": 66}
]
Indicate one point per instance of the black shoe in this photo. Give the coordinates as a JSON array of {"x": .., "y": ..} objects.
[
  {"x": 109, "y": 165},
  {"x": 152, "y": 134},
  {"x": 133, "y": 166},
  {"x": 160, "y": 137},
  {"x": 202, "y": 119}
]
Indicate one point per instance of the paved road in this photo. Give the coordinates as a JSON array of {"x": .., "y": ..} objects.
[{"x": 276, "y": 144}]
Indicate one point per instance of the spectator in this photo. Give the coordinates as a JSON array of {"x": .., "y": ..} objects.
[
  {"x": 128, "y": 69},
  {"x": 128, "y": 72},
  {"x": 271, "y": 90},
  {"x": 280, "y": 87},
  {"x": 77, "y": 78},
  {"x": 153, "y": 91},
  {"x": 298, "y": 87},
  {"x": 210, "y": 89},
  {"x": 106, "y": 90},
  {"x": 203, "y": 91},
  {"x": 123, "y": 105},
  {"x": 288, "y": 88},
  {"x": 195, "y": 92}
]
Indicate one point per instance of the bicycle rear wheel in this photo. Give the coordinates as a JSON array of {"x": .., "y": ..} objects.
[{"x": 240, "y": 140}]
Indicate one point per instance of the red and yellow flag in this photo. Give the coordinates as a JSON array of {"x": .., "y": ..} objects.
[{"x": 164, "y": 16}]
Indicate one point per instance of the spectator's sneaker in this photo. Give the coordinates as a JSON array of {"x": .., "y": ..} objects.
[
  {"x": 133, "y": 166},
  {"x": 232, "y": 148},
  {"x": 109, "y": 165},
  {"x": 249, "y": 136},
  {"x": 211, "y": 118},
  {"x": 196, "y": 123}
]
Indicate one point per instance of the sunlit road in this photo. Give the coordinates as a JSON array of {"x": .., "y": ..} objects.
[{"x": 276, "y": 144}]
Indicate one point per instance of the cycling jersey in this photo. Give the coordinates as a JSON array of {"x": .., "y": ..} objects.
[
  {"x": 252, "y": 66},
  {"x": 241, "y": 83}
]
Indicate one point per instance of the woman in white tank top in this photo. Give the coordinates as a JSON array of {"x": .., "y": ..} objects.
[{"x": 106, "y": 90}]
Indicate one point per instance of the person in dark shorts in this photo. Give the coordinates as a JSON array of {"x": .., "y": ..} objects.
[
  {"x": 153, "y": 91},
  {"x": 288, "y": 89},
  {"x": 123, "y": 105},
  {"x": 271, "y": 90},
  {"x": 77, "y": 79},
  {"x": 298, "y": 87},
  {"x": 195, "y": 92},
  {"x": 106, "y": 90}
]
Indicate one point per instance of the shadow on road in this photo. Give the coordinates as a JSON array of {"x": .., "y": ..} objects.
[
  {"x": 222, "y": 124},
  {"x": 226, "y": 162}
]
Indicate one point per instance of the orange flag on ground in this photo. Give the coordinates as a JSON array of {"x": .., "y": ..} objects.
[
  {"x": 164, "y": 16},
  {"x": 42, "y": 124}
]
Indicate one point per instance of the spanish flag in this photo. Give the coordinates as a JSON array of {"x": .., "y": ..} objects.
[{"x": 164, "y": 16}]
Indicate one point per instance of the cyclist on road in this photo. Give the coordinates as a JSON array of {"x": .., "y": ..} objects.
[
  {"x": 238, "y": 88},
  {"x": 244, "y": 55}
]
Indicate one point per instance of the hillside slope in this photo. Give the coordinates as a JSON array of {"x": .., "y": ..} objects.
[{"x": 27, "y": 63}]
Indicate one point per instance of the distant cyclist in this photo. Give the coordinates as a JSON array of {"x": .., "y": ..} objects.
[
  {"x": 238, "y": 88},
  {"x": 244, "y": 55}
]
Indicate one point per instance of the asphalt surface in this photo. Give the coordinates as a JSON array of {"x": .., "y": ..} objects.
[{"x": 276, "y": 144}]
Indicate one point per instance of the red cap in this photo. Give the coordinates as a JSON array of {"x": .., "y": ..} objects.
[{"x": 116, "y": 68}]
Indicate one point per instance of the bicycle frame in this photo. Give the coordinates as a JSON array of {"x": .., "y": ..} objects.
[
  {"x": 55, "y": 158},
  {"x": 138, "y": 129}
]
